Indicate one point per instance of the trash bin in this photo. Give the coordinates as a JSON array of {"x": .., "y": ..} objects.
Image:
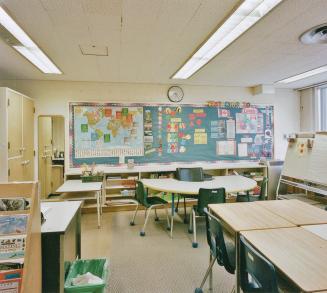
[{"x": 97, "y": 267}]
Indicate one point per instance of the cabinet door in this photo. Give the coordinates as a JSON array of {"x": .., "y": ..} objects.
[
  {"x": 15, "y": 172},
  {"x": 14, "y": 124},
  {"x": 45, "y": 155},
  {"x": 28, "y": 139},
  {"x": 57, "y": 177}
]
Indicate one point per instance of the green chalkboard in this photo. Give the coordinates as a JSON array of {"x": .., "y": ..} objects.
[{"x": 179, "y": 133}]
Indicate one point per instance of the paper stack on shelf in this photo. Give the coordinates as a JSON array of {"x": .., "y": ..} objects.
[
  {"x": 13, "y": 229},
  {"x": 13, "y": 224}
]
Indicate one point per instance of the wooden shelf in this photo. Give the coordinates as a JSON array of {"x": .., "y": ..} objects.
[
  {"x": 120, "y": 187},
  {"x": 32, "y": 259}
]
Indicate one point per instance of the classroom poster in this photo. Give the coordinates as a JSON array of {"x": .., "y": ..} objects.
[{"x": 101, "y": 133}]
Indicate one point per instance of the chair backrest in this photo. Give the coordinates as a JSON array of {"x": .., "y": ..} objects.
[
  {"x": 243, "y": 197},
  {"x": 257, "y": 273},
  {"x": 216, "y": 241},
  {"x": 208, "y": 196},
  {"x": 140, "y": 193},
  {"x": 263, "y": 188},
  {"x": 189, "y": 174}
]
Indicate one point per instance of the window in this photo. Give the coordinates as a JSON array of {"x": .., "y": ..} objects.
[{"x": 322, "y": 108}]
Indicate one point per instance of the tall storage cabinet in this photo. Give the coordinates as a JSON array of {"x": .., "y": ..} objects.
[{"x": 16, "y": 136}]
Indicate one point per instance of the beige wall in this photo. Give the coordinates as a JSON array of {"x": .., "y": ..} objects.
[
  {"x": 52, "y": 99},
  {"x": 307, "y": 114}
]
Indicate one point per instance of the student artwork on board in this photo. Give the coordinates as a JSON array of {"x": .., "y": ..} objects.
[{"x": 164, "y": 133}]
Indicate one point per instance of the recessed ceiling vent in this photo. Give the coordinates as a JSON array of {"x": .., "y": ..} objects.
[
  {"x": 94, "y": 50},
  {"x": 316, "y": 35}
]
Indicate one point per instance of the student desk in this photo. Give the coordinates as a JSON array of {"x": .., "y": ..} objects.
[
  {"x": 73, "y": 187},
  {"x": 244, "y": 216},
  {"x": 295, "y": 211},
  {"x": 61, "y": 241},
  {"x": 320, "y": 230},
  {"x": 296, "y": 252},
  {"x": 231, "y": 183}
]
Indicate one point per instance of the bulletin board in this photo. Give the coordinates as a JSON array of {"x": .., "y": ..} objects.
[{"x": 101, "y": 133}]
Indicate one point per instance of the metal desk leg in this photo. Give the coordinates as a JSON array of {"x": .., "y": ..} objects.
[
  {"x": 98, "y": 194},
  {"x": 237, "y": 268},
  {"x": 172, "y": 214}
]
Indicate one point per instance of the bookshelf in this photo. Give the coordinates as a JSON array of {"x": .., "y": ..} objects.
[
  {"x": 121, "y": 178},
  {"x": 31, "y": 277}
]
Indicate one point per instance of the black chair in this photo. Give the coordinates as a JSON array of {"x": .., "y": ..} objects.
[
  {"x": 188, "y": 175},
  {"x": 149, "y": 203},
  {"x": 247, "y": 197},
  {"x": 256, "y": 272},
  {"x": 222, "y": 249},
  {"x": 206, "y": 196}
]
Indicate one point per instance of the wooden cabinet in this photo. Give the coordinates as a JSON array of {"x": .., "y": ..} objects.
[
  {"x": 57, "y": 176},
  {"x": 15, "y": 123},
  {"x": 17, "y": 136},
  {"x": 28, "y": 139},
  {"x": 61, "y": 242}
]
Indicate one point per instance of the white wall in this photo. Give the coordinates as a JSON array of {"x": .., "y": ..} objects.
[
  {"x": 307, "y": 113},
  {"x": 52, "y": 99}
]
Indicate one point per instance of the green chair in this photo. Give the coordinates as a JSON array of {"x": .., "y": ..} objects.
[
  {"x": 258, "y": 274},
  {"x": 206, "y": 196},
  {"x": 222, "y": 249},
  {"x": 188, "y": 175},
  {"x": 241, "y": 197},
  {"x": 149, "y": 203}
]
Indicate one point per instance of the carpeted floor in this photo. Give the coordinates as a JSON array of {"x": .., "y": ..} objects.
[{"x": 154, "y": 263}]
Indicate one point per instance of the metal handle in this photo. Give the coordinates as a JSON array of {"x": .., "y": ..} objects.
[
  {"x": 25, "y": 163},
  {"x": 46, "y": 156},
  {"x": 22, "y": 149}
]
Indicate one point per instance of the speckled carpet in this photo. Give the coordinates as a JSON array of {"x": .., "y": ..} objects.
[{"x": 154, "y": 263}]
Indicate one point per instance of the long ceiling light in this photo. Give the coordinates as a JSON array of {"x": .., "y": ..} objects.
[
  {"x": 303, "y": 75},
  {"x": 244, "y": 17},
  {"x": 26, "y": 46}
]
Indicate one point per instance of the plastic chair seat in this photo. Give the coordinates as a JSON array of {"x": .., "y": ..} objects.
[{"x": 153, "y": 200}]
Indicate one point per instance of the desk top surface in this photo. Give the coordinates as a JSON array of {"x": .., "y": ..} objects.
[
  {"x": 299, "y": 254},
  {"x": 320, "y": 230},
  {"x": 58, "y": 215},
  {"x": 232, "y": 183},
  {"x": 245, "y": 216},
  {"x": 295, "y": 211},
  {"x": 79, "y": 186}
]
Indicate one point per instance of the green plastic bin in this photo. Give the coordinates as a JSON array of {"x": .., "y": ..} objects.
[{"x": 98, "y": 267}]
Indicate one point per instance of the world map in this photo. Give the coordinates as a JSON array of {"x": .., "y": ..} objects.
[{"x": 108, "y": 131}]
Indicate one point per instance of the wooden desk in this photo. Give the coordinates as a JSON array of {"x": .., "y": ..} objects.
[
  {"x": 297, "y": 253},
  {"x": 231, "y": 183},
  {"x": 244, "y": 216},
  {"x": 73, "y": 187},
  {"x": 320, "y": 230},
  {"x": 61, "y": 242},
  {"x": 295, "y": 211}
]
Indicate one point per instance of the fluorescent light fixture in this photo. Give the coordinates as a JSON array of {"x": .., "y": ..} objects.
[
  {"x": 303, "y": 75},
  {"x": 27, "y": 47},
  {"x": 244, "y": 17}
]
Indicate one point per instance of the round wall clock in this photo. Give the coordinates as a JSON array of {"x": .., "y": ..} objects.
[{"x": 175, "y": 94}]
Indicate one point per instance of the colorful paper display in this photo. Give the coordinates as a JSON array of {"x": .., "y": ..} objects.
[{"x": 165, "y": 133}]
